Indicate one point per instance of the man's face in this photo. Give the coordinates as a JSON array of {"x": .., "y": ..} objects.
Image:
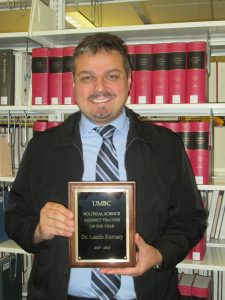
[{"x": 101, "y": 85}]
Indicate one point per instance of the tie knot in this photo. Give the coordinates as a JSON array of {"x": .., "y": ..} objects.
[{"x": 105, "y": 131}]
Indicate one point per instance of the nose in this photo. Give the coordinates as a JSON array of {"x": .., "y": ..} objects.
[{"x": 99, "y": 84}]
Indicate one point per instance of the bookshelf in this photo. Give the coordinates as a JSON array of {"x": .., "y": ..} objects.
[{"x": 213, "y": 32}]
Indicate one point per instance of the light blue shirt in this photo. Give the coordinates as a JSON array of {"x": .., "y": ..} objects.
[{"x": 91, "y": 142}]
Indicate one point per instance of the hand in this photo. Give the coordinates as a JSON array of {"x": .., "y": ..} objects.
[
  {"x": 146, "y": 257},
  {"x": 55, "y": 219}
]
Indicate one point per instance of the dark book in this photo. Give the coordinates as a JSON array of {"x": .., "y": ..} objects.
[
  {"x": 11, "y": 277},
  {"x": 7, "y": 77},
  {"x": 3, "y": 204}
]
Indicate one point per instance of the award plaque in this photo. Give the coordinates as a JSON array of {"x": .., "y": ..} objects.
[{"x": 104, "y": 214}]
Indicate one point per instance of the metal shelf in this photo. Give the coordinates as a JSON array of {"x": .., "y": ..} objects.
[
  {"x": 201, "y": 109},
  {"x": 11, "y": 247},
  {"x": 16, "y": 40},
  {"x": 212, "y": 31},
  {"x": 213, "y": 260}
]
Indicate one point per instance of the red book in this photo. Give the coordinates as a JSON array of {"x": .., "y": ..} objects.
[
  {"x": 196, "y": 73},
  {"x": 202, "y": 288},
  {"x": 143, "y": 79},
  {"x": 67, "y": 77},
  {"x": 185, "y": 286},
  {"x": 131, "y": 53},
  {"x": 51, "y": 124},
  {"x": 174, "y": 126},
  {"x": 40, "y": 69},
  {"x": 185, "y": 133},
  {"x": 39, "y": 126},
  {"x": 177, "y": 72},
  {"x": 198, "y": 251},
  {"x": 160, "y": 73},
  {"x": 55, "y": 75},
  {"x": 200, "y": 151}
]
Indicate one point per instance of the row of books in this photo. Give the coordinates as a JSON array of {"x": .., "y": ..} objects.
[
  {"x": 52, "y": 79},
  {"x": 15, "y": 77},
  {"x": 51, "y": 69},
  {"x": 216, "y": 216},
  {"x": 195, "y": 286},
  {"x": 195, "y": 137},
  {"x": 162, "y": 73},
  {"x": 216, "y": 80},
  {"x": 169, "y": 73}
]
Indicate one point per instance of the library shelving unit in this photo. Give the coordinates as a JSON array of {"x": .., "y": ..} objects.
[{"x": 213, "y": 32}]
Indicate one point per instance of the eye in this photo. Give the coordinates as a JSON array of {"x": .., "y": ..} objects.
[
  {"x": 86, "y": 78},
  {"x": 112, "y": 76}
]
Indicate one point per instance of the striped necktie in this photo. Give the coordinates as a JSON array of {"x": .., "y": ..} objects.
[{"x": 106, "y": 286}]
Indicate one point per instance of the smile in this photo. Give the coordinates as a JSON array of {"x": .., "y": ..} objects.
[{"x": 103, "y": 100}]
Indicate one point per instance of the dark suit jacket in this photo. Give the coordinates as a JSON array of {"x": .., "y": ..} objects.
[{"x": 168, "y": 209}]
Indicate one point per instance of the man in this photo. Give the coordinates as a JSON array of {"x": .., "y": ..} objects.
[{"x": 170, "y": 218}]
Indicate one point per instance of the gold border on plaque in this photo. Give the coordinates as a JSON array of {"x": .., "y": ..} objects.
[{"x": 128, "y": 188}]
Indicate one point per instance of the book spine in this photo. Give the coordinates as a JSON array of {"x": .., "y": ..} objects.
[
  {"x": 200, "y": 150},
  {"x": 51, "y": 124},
  {"x": 177, "y": 72},
  {"x": 201, "y": 287},
  {"x": 27, "y": 74},
  {"x": 185, "y": 286},
  {"x": 67, "y": 76},
  {"x": 199, "y": 250},
  {"x": 39, "y": 126},
  {"x": 213, "y": 82},
  {"x": 160, "y": 73},
  {"x": 40, "y": 70},
  {"x": 7, "y": 77},
  {"x": 174, "y": 126},
  {"x": 143, "y": 80},
  {"x": 132, "y": 57},
  {"x": 55, "y": 75},
  {"x": 18, "y": 96},
  {"x": 196, "y": 72},
  {"x": 185, "y": 132},
  {"x": 220, "y": 82}
]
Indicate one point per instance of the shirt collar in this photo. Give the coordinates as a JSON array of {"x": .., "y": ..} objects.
[{"x": 121, "y": 123}]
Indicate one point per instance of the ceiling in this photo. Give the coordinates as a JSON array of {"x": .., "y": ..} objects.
[{"x": 119, "y": 13}]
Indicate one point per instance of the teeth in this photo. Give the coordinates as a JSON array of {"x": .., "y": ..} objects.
[{"x": 100, "y": 100}]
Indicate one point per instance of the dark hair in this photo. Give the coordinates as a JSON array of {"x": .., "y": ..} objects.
[{"x": 102, "y": 41}]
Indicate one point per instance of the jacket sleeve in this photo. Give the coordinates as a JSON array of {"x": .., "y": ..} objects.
[{"x": 22, "y": 213}]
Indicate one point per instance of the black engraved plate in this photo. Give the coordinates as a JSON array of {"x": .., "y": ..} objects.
[{"x": 104, "y": 223}]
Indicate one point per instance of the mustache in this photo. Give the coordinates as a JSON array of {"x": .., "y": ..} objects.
[{"x": 103, "y": 94}]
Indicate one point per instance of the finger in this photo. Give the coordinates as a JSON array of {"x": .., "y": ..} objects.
[
  {"x": 121, "y": 271},
  {"x": 58, "y": 212},
  {"x": 51, "y": 206}
]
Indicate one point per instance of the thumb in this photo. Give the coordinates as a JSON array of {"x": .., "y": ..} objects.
[{"x": 139, "y": 240}]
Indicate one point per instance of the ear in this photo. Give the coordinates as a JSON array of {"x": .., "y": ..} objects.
[{"x": 129, "y": 80}]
